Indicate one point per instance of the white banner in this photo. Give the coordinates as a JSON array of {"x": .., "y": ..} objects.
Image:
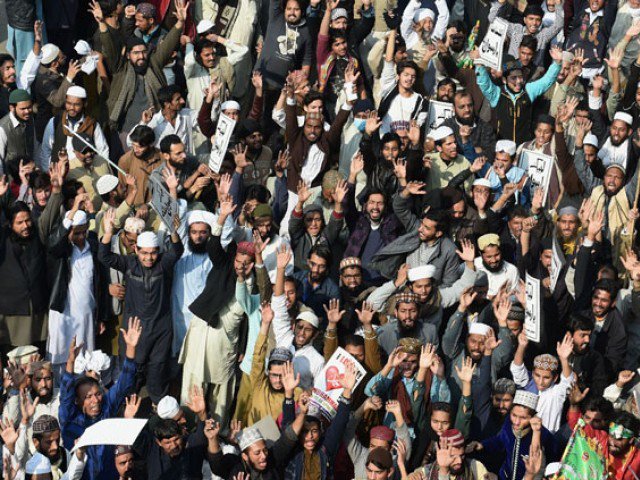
[
  {"x": 224, "y": 129},
  {"x": 538, "y": 167},
  {"x": 327, "y": 388},
  {"x": 532, "y": 319},
  {"x": 438, "y": 113},
  {"x": 557, "y": 262},
  {"x": 493, "y": 44},
  {"x": 112, "y": 431},
  {"x": 164, "y": 205}
]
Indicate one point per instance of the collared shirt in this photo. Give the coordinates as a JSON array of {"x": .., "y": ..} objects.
[
  {"x": 593, "y": 16},
  {"x": 508, "y": 273},
  {"x": 185, "y": 123}
]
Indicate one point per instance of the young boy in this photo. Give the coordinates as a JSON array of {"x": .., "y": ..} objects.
[{"x": 542, "y": 380}]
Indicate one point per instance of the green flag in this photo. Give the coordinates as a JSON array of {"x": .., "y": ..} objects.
[{"x": 584, "y": 458}]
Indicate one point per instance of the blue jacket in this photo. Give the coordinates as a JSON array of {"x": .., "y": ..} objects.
[{"x": 100, "y": 461}]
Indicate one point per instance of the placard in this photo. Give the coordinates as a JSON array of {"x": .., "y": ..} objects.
[
  {"x": 224, "y": 129},
  {"x": 538, "y": 167},
  {"x": 438, "y": 113},
  {"x": 492, "y": 45},
  {"x": 327, "y": 388},
  {"x": 112, "y": 431},
  {"x": 164, "y": 204},
  {"x": 532, "y": 320},
  {"x": 557, "y": 261}
]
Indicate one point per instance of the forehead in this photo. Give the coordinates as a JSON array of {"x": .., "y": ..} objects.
[
  {"x": 199, "y": 227},
  {"x": 351, "y": 270},
  {"x": 312, "y": 122}
]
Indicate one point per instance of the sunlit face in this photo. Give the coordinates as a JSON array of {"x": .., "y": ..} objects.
[
  {"x": 520, "y": 417},
  {"x": 428, "y": 230},
  {"x": 357, "y": 351},
  {"x": 313, "y": 223},
  {"x": 147, "y": 256},
  {"x": 543, "y": 378},
  {"x": 176, "y": 156},
  {"x": 514, "y": 326},
  {"x": 232, "y": 113},
  {"x": 502, "y": 402},
  {"x": 290, "y": 294},
  {"x": 407, "y": 314},
  {"x": 532, "y": 23},
  {"x": 254, "y": 141},
  {"x": 463, "y": 107},
  {"x": 619, "y": 132},
  {"x": 567, "y": 225},
  {"x": 92, "y": 402},
  {"x": 243, "y": 264},
  {"x": 339, "y": 47},
  {"x": 138, "y": 55},
  {"x": 22, "y": 225},
  {"x": 303, "y": 333},
  {"x": 492, "y": 256},
  {"x": 525, "y": 55},
  {"x": 310, "y": 435},
  {"x": 317, "y": 268},
  {"x": 22, "y": 110},
  {"x": 613, "y": 180},
  {"x": 173, "y": 446},
  {"x": 49, "y": 445},
  {"x": 448, "y": 148},
  {"x": 208, "y": 57},
  {"x": 374, "y": 207},
  {"x": 391, "y": 151},
  {"x": 407, "y": 78},
  {"x": 275, "y": 377},
  {"x": 124, "y": 465},
  {"x": 312, "y": 129},
  {"x": 177, "y": 102},
  {"x": 515, "y": 80},
  {"x": 199, "y": 232},
  {"x": 257, "y": 455},
  {"x": 42, "y": 382},
  {"x": 351, "y": 277},
  {"x": 581, "y": 339},
  {"x": 601, "y": 303},
  {"x": 596, "y": 5},
  {"x": 543, "y": 134},
  {"x": 475, "y": 346},
  {"x": 422, "y": 288},
  {"x": 8, "y": 72},
  {"x": 139, "y": 150},
  {"x": 74, "y": 106},
  {"x": 292, "y": 12},
  {"x": 440, "y": 422}
]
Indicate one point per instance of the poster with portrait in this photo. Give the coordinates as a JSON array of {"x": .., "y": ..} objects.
[
  {"x": 438, "y": 113},
  {"x": 492, "y": 45},
  {"x": 164, "y": 204},
  {"x": 327, "y": 387},
  {"x": 557, "y": 261},
  {"x": 532, "y": 312},
  {"x": 538, "y": 167},
  {"x": 224, "y": 129}
]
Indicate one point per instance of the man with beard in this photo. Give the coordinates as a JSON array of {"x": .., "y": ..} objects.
[
  {"x": 513, "y": 100},
  {"x": 87, "y": 168},
  {"x": 473, "y": 135},
  {"x": 451, "y": 460},
  {"x": 443, "y": 165},
  {"x": 297, "y": 334},
  {"x": 419, "y": 280},
  {"x": 491, "y": 406},
  {"x": 137, "y": 76},
  {"x": 184, "y": 169},
  {"x": 588, "y": 364},
  {"x": 117, "y": 196},
  {"x": 50, "y": 86},
  {"x": 617, "y": 147},
  {"x": 17, "y": 130},
  {"x": 315, "y": 287},
  {"x": 624, "y": 455},
  {"x": 25, "y": 301},
  {"x": 140, "y": 162},
  {"x": 491, "y": 262},
  {"x": 58, "y": 132},
  {"x": 124, "y": 458},
  {"x": 259, "y": 156},
  {"x": 190, "y": 273}
]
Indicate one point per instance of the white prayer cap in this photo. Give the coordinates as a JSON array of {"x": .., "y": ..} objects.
[
  {"x": 309, "y": 317},
  {"x": 79, "y": 218},
  {"x": 134, "y": 225},
  {"x": 481, "y": 182},
  {"x": 624, "y": 117},
  {"x": 201, "y": 216},
  {"x": 204, "y": 26},
  {"x": 168, "y": 408},
  {"x": 441, "y": 133},
  {"x": 478, "y": 328},
  {"x": 507, "y": 146},
  {"x": 96, "y": 361},
  {"x": 106, "y": 183},
  {"x": 338, "y": 13},
  {"x": 421, "y": 272},
  {"x": 38, "y": 465},
  {"x": 590, "y": 139},
  {"x": 526, "y": 399},
  {"x": 567, "y": 57},
  {"x": 82, "y": 47},
  {"x": 552, "y": 469},
  {"x": 568, "y": 210},
  {"x": 147, "y": 240},
  {"x": 49, "y": 53},
  {"x": 248, "y": 437},
  {"x": 230, "y": 105},
  {"x": 423, "y": 13},
  {"x": 22, "y": 355},
  {"x": 76, "y": 91}
]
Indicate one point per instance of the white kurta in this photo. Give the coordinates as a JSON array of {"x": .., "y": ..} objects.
[{"x": 77, "y": 318}]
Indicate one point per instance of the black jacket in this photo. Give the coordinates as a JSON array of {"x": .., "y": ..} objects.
[{"x": 60, "y": 250}]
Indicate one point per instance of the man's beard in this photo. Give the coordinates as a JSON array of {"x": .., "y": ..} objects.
[
  {"x": 493, "y": 269},
  {"x": 197, "y": 247},
  {"x": 140, "y": 69},
  {"x": 616, "y": 143},
  {"x": 465, "y": 121},
  {"x": 20, "y": 239},
  {"x": 176, "y": 165}
]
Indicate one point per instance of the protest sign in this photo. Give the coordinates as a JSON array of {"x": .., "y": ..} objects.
[{"x": 224, "y": 129}]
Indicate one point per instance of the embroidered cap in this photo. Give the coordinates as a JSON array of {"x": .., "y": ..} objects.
[
  {"x": 526, "y": 399},
  {"x": 546, "y": 362}
]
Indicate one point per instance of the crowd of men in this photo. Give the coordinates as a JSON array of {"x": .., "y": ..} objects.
[{"x": 203, "y": 202}]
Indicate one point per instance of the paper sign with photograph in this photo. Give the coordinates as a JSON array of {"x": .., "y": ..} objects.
[
  {"x": 438, "y": 113},
  {"x": 224, "y": 129},
  {"x": 532, "y": 312},
  {"x": 538, "y": 167},
  {"x": 492, "y": 45},
  {"x": 164, "y": 205},
  {"x": 327, "y": 387}
]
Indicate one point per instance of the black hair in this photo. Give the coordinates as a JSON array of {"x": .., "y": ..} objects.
[
  {"x": 202, "y": 44},
  {"x": 580, "y": 322},
  {"x": 166, "y": 142},
  {"x": 407, "y": 64},
  {"x": 375, "y": 191},
  {"x": 308, "y": 419},
  {"x": 311, "y": 97},
  {"x": 321, "y": 251},
  {"x": 599, "y": 404},
  {"x": 354, "y": 340},
  {"x": 461, "y": 94},
  {"x": 438, "y": 217},
  {"x": 458, "y": 25},
  {"x": 108, "y": 7},
  {"x": 442, "y": 407},
  {"x": 5, "y": 57},
  {"x": 530, "y": 42},
  {"x": 446, "y": 81},
  {"x": 607, "y": 285},
  {"x": 40, "y": 180},
  {"x": 517, "y": 212},
  {"x": 13, "y": 166},
  {"x": 257, "y": 192},
  {"x": 85, "y": 381},
  {"x": 337, "y": 33},
  {"x": 143, "y": 135},
  {"x": 70, "y": 189},
  {"x": 16, "y": 208},
  {"x": 627, "y": 421},
  {"x": 167, "y": 428},
  {"x": 611, "y": 271},
  {"x": 166, "y": 93},
  {"x": 390, "y": 137}
]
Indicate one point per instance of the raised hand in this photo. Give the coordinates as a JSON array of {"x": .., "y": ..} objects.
[
  {"x": 414, "y": 133},
  {"x": 615, "y": 58},
  {"x": 73, "y": 69},
  {"x": 235, "y": 427},
  {"x": 400, "y": 168},
  {"x": 427, "y": 356},
  {"x": 211, "y": 429},
  {"x": 624, "y": 377},
  {"x": 373, "y": 403},
  {"x": 556, "y": 54},
  {"x": 396, "y": 357},
  {"x": 501, "y": 311},
  {"x": 109, "y": 219},
  {"x": 240, "y": 156},
  {"x": 576, "y": 395},
  {"x": 132, "y": 335},
  {"x": 416, "y": 188},
  {"x": 283, "y": 257},
  {"x": 372, "y": 124},
  {"x": 348, "y": 380},
  {"x": 466, "y": 370},
  {"x": 533, "y": 462},
  {"x": 366, "y": 314},
  {"x": 256, "y": 81},
  {"x": 468, "y": 252},
  {"x": 564, "y": 349},
  {"x": 182, "y": 8},
  {"x": 9, "y": 434},
  {"x": 304, "y": 192},
  {"x": 27, "y": 407},
  {"x": 96, "y": 10},
  {"x": 491, "y": 343},
  {"x": 340, "y": 191},
  {"x": 536, "y": 424},
  {"x": 266, "y": 313},
  {"x": 170, "y": 178},
  {"x": 357, "y": 164},
  {"x": 478, "y": 164},
  {"x": 258, "y": 244},
  {"x": 596, "y": 222},
  {"x": 196, "y": 401},
  {"x": 444, "y": 455},
  {"x": 334, "y": 314},
  {"x": 4, "y": 185},
  {"x": 290, "y": 380},
  {"x": 132, "y": 405},
  {"x": 74, "y": 349},
  {"x": 467, "y": 298},
  {"x": 227, "y": 208}
]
